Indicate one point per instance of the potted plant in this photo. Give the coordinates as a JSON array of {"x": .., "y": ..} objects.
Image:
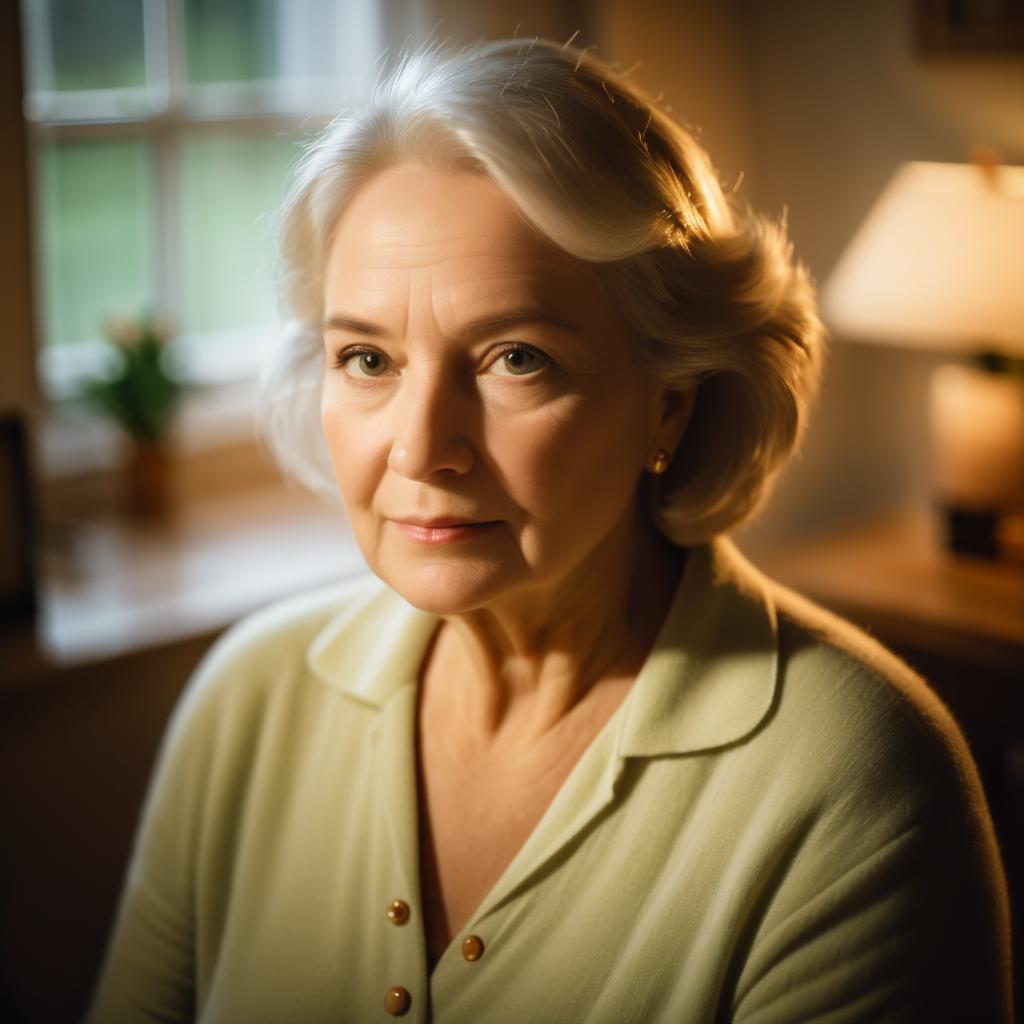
[{"x": 140, "y": 394}]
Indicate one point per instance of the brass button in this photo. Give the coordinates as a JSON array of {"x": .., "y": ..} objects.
[
  {"x": 398, "y": 912},
  {"x": 397, "y": 1001},
  {"x": 472, "y": 947}
]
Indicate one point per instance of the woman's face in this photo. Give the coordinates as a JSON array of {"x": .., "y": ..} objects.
[{"x": 483, "y": 402}]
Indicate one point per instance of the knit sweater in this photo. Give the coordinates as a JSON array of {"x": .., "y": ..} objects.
[{"x": 780, "y": 823}]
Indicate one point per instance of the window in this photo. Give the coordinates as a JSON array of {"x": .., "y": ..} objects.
[{"x": 161, "y": 132}]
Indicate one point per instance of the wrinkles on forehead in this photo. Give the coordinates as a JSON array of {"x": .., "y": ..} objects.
[{"x": 415, "y": 240}]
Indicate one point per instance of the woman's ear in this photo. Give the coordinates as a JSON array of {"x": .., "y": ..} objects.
[{"x": 675, "y": 411}]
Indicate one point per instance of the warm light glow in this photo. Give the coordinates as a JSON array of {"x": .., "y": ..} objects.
[
  {"x": 977, "y": 423},
  {"x": 938, "y": 263}
]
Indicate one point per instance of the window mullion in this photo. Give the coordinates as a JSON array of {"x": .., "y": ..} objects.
[
  {"x": 168, "y": 198},
  {"x": 165, "y": 113},
  {"x": 156, "y": 39},
  {"x": 166, "y": 16},
  {"x": 174, "y": 28},
  {"x": 39, "y": 71}
]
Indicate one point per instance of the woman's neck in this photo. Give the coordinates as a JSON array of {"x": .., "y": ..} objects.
[{"x": 511, "y": 674}]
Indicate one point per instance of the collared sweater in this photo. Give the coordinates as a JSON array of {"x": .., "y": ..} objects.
[{"x": 780, "y": 823}]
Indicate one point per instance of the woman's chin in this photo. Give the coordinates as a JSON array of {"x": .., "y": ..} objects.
[{"x": 446, "y": 587}]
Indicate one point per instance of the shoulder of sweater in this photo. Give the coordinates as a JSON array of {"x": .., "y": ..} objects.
[
  {"x": 269, "y": 645},
  {"x": 869, "y": 714}
]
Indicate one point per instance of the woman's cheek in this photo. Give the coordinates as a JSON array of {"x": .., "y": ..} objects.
[
  {"x": 354, "y": 449},
  {"x": 538, "y": 451},
  {"x": 596, "y": 456}
]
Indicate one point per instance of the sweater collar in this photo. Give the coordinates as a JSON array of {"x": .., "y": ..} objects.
[
  {"x": 709, "y": 680},
  {"x": 711, "y": 676}
]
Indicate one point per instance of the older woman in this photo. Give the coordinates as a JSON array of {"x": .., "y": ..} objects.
[{"x": 566, "y": 756}]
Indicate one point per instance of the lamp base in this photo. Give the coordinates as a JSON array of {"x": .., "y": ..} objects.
[{"x": 970, "y": 532}]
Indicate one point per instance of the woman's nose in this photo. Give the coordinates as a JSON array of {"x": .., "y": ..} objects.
[{"x": 432, "y": 428}]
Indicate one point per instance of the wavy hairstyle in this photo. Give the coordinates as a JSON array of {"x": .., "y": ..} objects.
[{"x": 710, "y": 287}]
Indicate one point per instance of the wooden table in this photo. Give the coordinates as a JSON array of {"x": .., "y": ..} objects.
[{"x": 893, "y": 576}]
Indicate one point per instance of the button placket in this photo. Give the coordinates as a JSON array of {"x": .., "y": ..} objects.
[{"x": 398, "y": 1000}]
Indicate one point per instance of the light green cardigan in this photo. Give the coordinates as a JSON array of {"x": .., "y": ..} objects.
[{"x": 780, "y": 823}]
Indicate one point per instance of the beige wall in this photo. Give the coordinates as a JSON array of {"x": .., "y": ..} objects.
[
  {"x": 842, "y": 97},
  {"x": 696, "y": 54}
]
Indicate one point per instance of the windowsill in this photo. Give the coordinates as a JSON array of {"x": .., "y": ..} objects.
[
  {"x": 111, "y": 587},
  {"x": 77, "y": 440},
  {"x": 218, "y": 407},
  {"x": 213, "y": 440},
  {"x": 213, "y": 446}
]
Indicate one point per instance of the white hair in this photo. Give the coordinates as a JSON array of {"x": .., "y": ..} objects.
[{"x": 592, "y": 163}]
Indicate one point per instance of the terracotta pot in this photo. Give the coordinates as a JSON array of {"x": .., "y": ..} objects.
[{"x": 147, "y": 482}]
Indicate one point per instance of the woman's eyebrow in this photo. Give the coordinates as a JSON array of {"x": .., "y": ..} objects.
[{"x": 488, "y": 324}]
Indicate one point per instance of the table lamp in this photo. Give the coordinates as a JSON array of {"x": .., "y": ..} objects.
[{"x": 938, "y": 264}]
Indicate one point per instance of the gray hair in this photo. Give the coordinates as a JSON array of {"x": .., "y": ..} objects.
[{"x": 592, "y": 163}]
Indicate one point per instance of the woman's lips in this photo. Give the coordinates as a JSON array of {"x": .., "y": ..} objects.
[{"x": 442, "y": 531}]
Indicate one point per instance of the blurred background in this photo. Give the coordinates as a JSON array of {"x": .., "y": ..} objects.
[{"x": 145, "y": 147}]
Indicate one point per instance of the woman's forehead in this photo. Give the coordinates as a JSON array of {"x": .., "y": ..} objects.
[
  {"x": 456, "y": 296},
  {"x": 410, "y": 218},
  {"x": 458, "y": 236}
]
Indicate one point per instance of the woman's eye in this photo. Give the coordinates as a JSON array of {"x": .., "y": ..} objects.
[
  {"x": 362, "y": 363},
  {"x": 518, "y": 361}
]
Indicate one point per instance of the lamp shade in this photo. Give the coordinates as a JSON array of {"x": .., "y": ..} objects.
[{"x": 938, "y": 263}]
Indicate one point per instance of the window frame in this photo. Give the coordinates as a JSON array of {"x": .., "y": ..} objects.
[{"x": 162, "y": 114}]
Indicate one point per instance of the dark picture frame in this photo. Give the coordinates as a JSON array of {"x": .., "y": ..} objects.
[
  {"x": 969, "y": 26},
  {"x": 17, "y": 540}
]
